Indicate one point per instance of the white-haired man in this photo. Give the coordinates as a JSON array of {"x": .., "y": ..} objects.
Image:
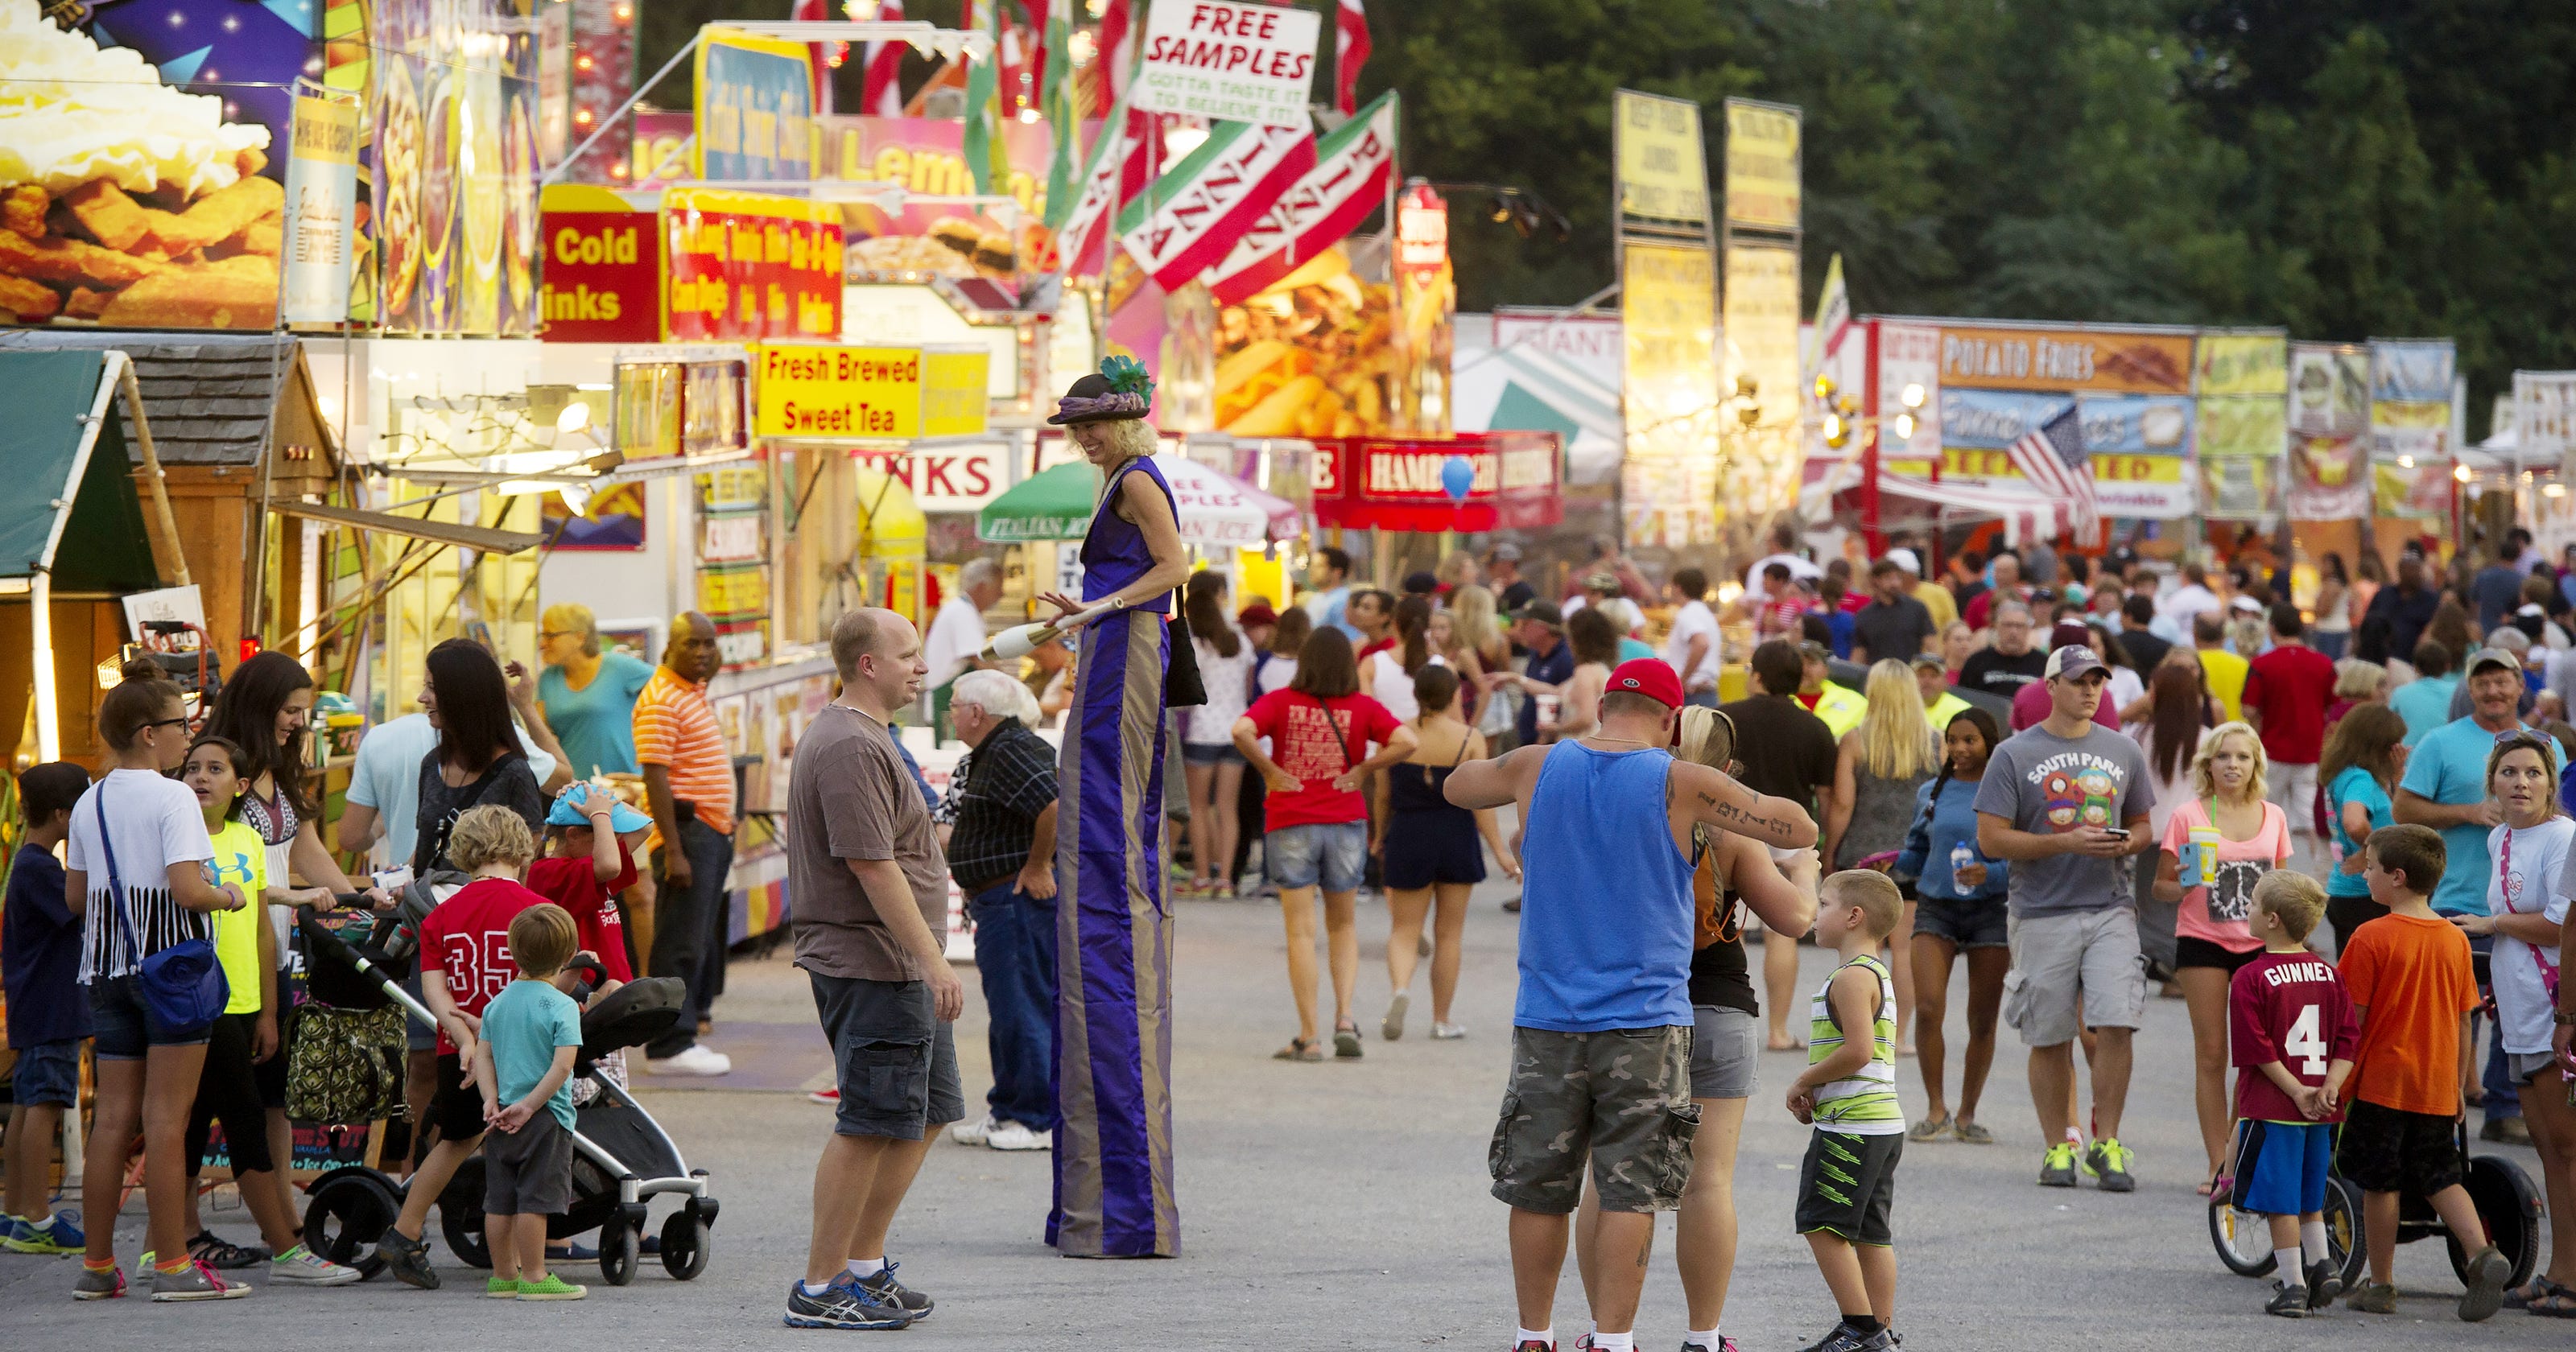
[
  {"x": 999, "y": 820},
  {"x": 956, "y": 638}
]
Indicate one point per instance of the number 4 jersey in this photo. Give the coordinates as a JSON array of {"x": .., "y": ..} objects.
[{"x": 2290, "y": 1008}]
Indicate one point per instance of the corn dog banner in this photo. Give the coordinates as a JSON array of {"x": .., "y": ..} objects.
[
  {"x": 1191, "y": 217},
  {"x": 1347, "y": 183},
  {"x": 1475, "y": 481}
]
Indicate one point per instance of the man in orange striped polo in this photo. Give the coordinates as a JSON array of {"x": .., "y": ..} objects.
[{"x": 688, "y": 782}]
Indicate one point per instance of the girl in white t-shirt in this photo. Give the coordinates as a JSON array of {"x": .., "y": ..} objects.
[
  {"x": 138, "y": 844},
  {"x": 2527, "y": 889},
  {"x": 1213, "y": 766}
]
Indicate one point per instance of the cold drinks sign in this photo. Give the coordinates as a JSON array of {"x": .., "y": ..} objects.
[{"x": 1238, "y": 62}]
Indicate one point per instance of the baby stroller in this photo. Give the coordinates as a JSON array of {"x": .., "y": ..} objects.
[
  {"x": 621, "y": 1157},
  {"x": 2508, "y": 1205}
]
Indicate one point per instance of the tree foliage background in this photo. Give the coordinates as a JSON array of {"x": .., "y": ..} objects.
[{"x": 2343, "y": 168}]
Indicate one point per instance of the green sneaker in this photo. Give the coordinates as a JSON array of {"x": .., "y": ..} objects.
[
  {"x": 552, "y": 1288},
  {"x": 2058, "y": 1169},
  {"x": 2108, "y": 1161},
  {"x": 501, "y": 1288}
]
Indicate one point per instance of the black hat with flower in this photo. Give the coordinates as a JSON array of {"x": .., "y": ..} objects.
[{"x": 1121, "y": 390}]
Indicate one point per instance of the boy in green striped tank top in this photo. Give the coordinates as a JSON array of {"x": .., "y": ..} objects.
[{"x": 1848, "y": 1184}]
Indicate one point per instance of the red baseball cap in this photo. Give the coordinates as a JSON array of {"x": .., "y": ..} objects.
[{"x": 1651, "y": 677}]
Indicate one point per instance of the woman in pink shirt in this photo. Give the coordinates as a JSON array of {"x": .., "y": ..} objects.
[{"x": 2217, "y": 844}]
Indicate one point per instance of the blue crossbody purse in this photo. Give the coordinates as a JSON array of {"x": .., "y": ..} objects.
[{"x": 183, "y": 985}]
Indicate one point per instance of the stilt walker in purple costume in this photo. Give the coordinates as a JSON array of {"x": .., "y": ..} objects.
[{"x": 1113, "y": 1151}]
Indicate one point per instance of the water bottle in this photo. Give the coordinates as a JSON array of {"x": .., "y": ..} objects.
[{"x": 1961, "y": 856}]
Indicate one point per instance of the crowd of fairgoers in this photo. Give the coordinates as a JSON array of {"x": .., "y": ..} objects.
[{"x": 2095, "y": 780}]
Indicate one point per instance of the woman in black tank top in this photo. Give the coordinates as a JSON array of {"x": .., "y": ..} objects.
[{"x": 1430, "y": 851}]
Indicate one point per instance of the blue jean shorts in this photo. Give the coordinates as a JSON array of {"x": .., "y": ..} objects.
[
  {"x": 125, "y": 1027},
  {"x": 48, "y": 1073},
  {"x": 1301, "y": 856}
]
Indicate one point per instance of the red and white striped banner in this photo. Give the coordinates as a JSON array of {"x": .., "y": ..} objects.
[{"x": 1347, "y": 183}]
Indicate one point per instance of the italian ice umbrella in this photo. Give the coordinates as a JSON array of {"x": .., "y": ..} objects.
[{"x": 1214, "y": 509}]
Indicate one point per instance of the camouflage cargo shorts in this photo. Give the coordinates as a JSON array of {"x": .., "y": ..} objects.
[{"x": 1619, "y": 1098}]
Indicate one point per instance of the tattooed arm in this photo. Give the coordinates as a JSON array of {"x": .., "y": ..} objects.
[
  {"x": 1480, "y": 784},
  {"x": 1712, "y": 798}
]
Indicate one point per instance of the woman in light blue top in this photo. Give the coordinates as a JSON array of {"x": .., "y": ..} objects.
[
  {"x": 588, "y": 696},
  {"x": 2365, "y": 756}
]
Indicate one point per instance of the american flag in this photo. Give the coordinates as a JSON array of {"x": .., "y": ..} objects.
[{"x": 2053, "y": 458}]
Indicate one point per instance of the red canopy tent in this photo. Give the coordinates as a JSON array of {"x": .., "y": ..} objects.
[{"x": 1402, "y": 483}]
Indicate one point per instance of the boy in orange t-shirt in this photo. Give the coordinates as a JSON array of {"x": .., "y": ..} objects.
[{"x": 2411, "y": 985}]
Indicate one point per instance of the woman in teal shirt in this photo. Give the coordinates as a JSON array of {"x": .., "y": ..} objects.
[
  {"x": 588, "y": 696},
  {"x": 2363, "y": 761}
]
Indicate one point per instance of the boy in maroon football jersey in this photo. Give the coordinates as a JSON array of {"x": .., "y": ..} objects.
[{"x": 2291, "y": 1032}]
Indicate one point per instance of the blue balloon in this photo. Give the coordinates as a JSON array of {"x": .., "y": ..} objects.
[{"x": 1457, "y": 478}]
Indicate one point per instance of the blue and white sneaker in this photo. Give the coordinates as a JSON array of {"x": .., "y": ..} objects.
[
  {"x": 843, "y": 1304},
  {"x": 891, "y": 1292},
  {"x": 58, "y": 1233}
]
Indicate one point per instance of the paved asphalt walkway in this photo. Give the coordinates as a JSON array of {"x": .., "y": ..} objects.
[{"x": 1335, "y": 1206}]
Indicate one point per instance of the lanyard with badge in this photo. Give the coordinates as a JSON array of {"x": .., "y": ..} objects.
[{"x": 2505, "y": 890}]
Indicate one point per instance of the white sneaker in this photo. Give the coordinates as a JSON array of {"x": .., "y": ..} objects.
[
  {"x": 972, "y": 1133},
  {"x": 1013, "y": 1136},
  {"x": 1447, "y": 1032},
  {"x": 699, "y": 1059},
  {"x": 302, "y": 1265}
]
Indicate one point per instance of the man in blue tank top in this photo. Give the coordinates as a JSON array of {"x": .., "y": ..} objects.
[{"x": 1601, "y": 1030}]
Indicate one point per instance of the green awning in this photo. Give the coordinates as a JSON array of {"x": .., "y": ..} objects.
[
  {"x": 101, "y": 546},
  {"x": 1052, "y": 504}
]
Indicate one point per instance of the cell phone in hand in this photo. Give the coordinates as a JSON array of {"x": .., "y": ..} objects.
[{"x": 2116, "y": 832}]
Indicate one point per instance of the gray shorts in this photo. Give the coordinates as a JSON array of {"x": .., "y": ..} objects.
[
  {"x": 2074, "y": 970},
  {"x": 896, "y": 1063},
  {"x": 1726, "y": 1047},
  {"x": 528, "y": 1172},
  {"x": 2523, "y": 1065},
  {"x": 1619, "y": 1099}
]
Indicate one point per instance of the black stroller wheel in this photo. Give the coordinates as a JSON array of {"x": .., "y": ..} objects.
[
  {"x": 617, "y": 1246},
  {"x": 2343, "y": 1228},
  {"x": 2243, "y": 1241},
  {"x": 2509, "y": 1206},
  {"x": 346, "y": 1212},
  {"x": 685, "y": 1243},
  {"x": 460, "y": 1214}
]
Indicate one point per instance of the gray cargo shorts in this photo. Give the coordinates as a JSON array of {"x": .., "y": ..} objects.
[
  {"x": 2073, "y": 970},
  {"x": 1620, "y": 1099}
]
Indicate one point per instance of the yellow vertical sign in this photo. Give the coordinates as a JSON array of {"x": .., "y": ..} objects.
[
  {"x": 1663, "y": 172},
  {"x": 1761, "y": 326},
  {"x": 954, "y": 383},
  {"x": 1668, "y": 307},
  {"x": 1761, "y": 165}
]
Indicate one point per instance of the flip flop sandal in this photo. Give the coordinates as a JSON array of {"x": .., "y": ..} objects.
[
  {"x": 1928, "y": 1130},
  {"x": 1346, "y": 1042},
  {"x": 2538, "y": 1289},
  {"x": 2560, "y": 1303},
  {"x": 1299, "y": 1049},
  {"x": 2220, "y": 1186}
]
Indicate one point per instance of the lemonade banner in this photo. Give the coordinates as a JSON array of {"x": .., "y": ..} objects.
[
  {"x": 1663, "y": 170},
  {"x": 1668, "y": 481}
]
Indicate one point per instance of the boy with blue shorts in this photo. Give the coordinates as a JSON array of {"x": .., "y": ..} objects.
[
  {"x": 2291, "y": 1033},
  {"x": 48, "y": 1014}
]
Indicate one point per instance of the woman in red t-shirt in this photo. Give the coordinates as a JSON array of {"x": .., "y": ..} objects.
[{"x": 1314, "y": 820}]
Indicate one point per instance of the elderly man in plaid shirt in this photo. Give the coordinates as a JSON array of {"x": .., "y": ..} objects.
[{"x": 999, "y": 821}]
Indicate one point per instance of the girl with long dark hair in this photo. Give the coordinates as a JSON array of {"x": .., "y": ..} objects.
[
  {"x": 1430, "y": 852},
  {"x": 479, "y": 758},
  {"x": 1387, "y": 675},
  {"x": 266, "y": 710},
  {"x": 1213, "y": 767},
  {"x": 2177, "y": 716},
  {"x": 1959, "y": 907}
]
